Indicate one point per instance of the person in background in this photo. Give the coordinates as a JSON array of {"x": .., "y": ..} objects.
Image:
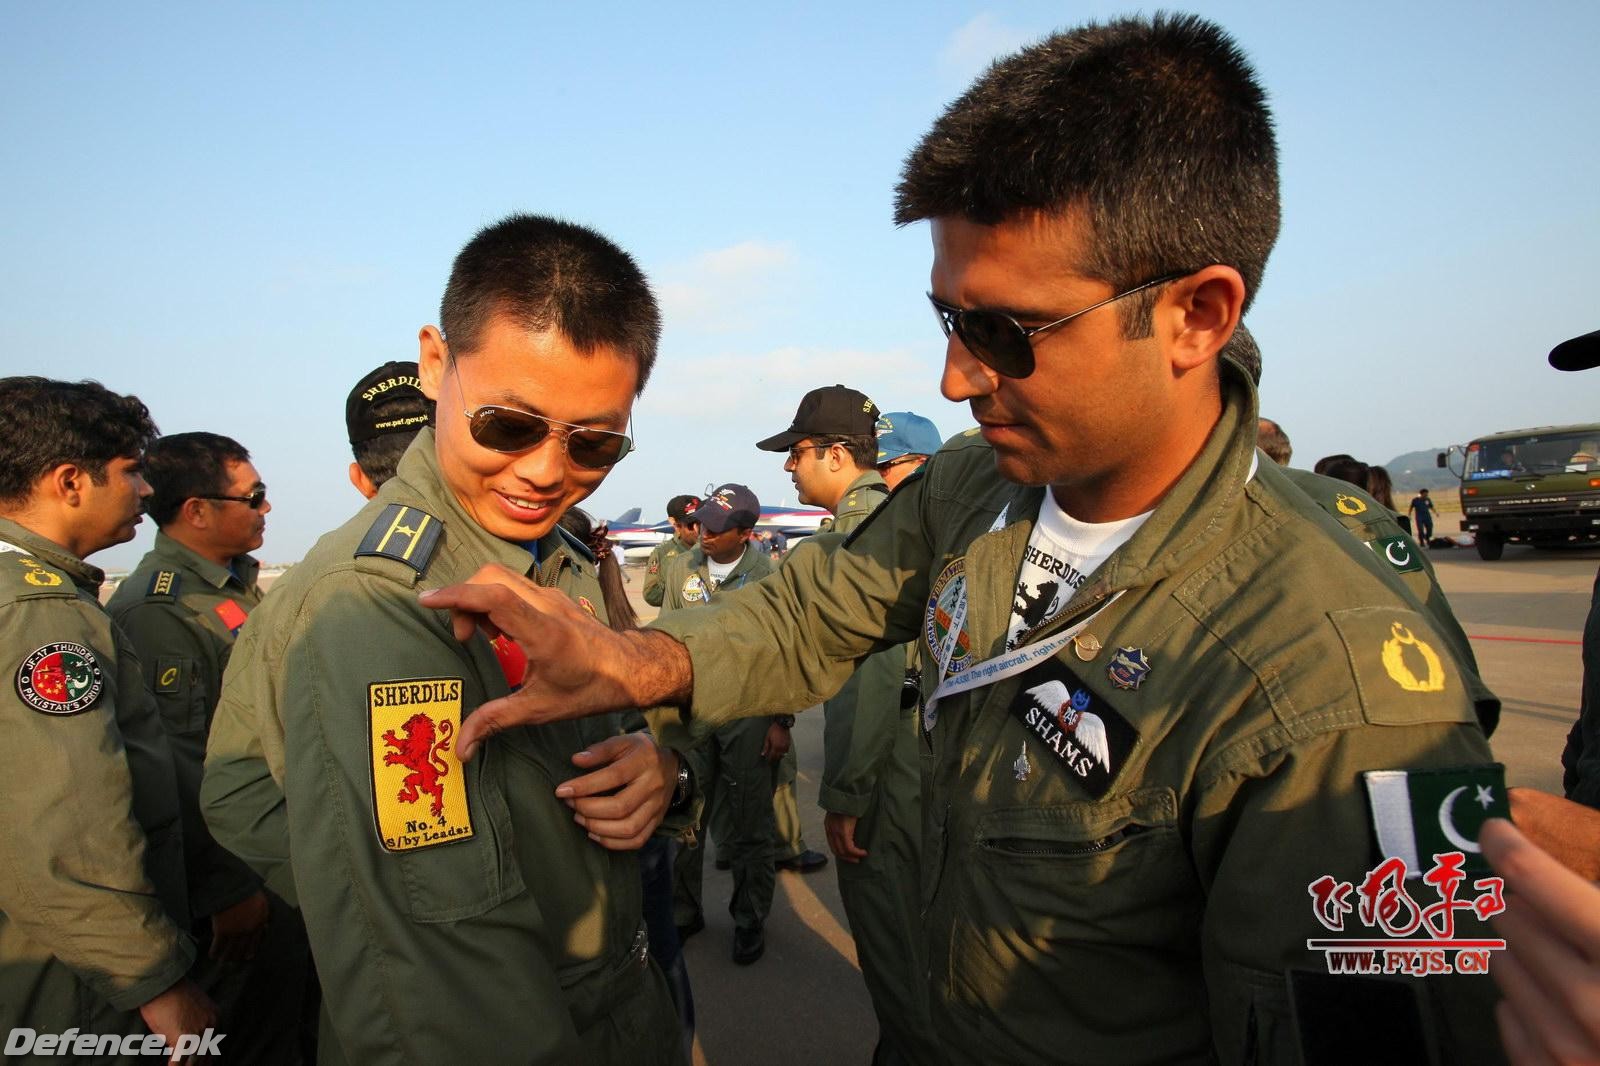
[
  {"x": 684, "y": 535},
  {"x": 1422, "y": 510},
  {"x": 905, "y": 440},
  {"x": 382, "y": 414}
]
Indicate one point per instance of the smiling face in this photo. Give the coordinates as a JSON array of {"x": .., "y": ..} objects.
[
  {"x": 1108, "y": 422},
  {"x": 519, "y": 497}
]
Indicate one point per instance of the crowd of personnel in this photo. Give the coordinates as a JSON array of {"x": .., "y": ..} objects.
[{"x": 1108, "y": 694}]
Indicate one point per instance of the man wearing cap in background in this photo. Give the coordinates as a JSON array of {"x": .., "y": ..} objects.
[
  {"x": 736, "y": 760},
  {"x": 905, "y": 440},
  {"x": 183, "y": 607},
  {"x": 684, "y": 534},
  {"x": 382, "y": 414}
]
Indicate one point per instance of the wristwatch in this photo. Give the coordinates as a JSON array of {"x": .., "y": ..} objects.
[
  {"x": 680, "y": 794},
  {"x": 785, "y": 720}
]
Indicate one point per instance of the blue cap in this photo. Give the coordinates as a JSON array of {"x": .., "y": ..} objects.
[{"x": 903, "y": 433}]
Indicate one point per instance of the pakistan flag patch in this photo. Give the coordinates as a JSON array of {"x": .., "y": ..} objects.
[{"x": 1422, "y": 813}]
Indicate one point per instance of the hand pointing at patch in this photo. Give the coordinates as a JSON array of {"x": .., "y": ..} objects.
[{"x": 576, "y": 666}]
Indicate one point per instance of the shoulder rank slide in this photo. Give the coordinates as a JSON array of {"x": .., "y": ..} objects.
[
  {"x": 404, "y": 534},
  {"x": 164, "y": 583}
]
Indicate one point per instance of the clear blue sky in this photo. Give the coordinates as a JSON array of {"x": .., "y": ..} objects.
[{"x": 236, "y": 210}]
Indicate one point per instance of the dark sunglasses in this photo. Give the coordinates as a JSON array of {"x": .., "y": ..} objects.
[
  {"x": 253, "y": 501},
  {"x": 510, "y": 430},
  {"x": 1002, "y": 343}
]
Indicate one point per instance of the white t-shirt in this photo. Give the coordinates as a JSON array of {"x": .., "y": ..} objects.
[
  {"x": 1061, "y": 555},
  {"x": 719, "y": 571}
]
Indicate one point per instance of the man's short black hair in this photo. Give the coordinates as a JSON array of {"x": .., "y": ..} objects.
[
  {"x": 548, "y": 274},
  {"x": 50, "y": 422},
  {"x": 1155, "y": 127},
  {"x": 862, "y": 448},
  {"x": 185, "y": 465},
  {"x": 379, "y": 457}
]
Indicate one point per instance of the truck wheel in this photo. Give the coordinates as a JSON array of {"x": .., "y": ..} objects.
[{"x": 1489, "y": 548}]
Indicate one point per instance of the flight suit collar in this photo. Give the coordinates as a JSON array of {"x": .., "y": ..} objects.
[
  {"x": 242, "y": 573},
  {"x": 1187, "y": 519},
  {"x": 87, "y": 577},
  {"x": 700, "y": 563},
  {"x": 418, "y": 480}
]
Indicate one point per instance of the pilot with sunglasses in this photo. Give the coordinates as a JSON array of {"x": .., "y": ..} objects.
[
  {"x": 1159, "y": 684},
  {"x": 466, "y": 912},
  {"x": 183, "y": 607}
]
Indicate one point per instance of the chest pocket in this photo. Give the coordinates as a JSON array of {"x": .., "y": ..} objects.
[
  {"x": 181, "y": 693},
  {"x": 465, "y": 878},
  {"x": 1052, "y": 892}
]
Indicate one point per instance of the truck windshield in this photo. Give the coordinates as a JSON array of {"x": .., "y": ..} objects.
[{"x": 1557, "y": 453}]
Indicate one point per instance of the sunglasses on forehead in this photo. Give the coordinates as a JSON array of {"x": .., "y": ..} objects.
[
  {"x": 254, "y": 500},
  {"x": 1002, "y": 343},
  {"x": 510, "y": 430}
]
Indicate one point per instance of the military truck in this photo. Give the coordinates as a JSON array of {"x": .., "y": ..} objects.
[{"x": 1529, "y": 486}]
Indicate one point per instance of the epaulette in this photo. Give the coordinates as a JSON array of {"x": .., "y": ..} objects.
[
  {"x": 30, "y": 577},
  {"x": 969, "y": 438},
  {"x": 911, "y": 478},
  {"x": 577, "y": 545},
  {"x": 404, "y": 534},
  {"x": 163, "y": 585}
]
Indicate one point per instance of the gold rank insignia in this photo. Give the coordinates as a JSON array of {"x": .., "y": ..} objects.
[
  {"x": 419, "y": 791},
  {"x": 164, "y": 583},
  {"x": 404, "y": 534},
  {"x": 1431, "y": 679},
  {"x": 36, "y": 574}
]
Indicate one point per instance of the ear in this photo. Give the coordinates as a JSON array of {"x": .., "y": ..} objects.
[
  {"x": 64, "y": 483},
  {"x": 195, "y": 512},
  {"x": 363, "y": 483},
  {"x": 432, "y": 353},
  {"x": 1200, "y": 313}
]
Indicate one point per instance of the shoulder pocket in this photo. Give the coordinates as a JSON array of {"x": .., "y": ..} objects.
[
  {"x": 180, "y": 693},
  {"x": 1404, "y": 672}
]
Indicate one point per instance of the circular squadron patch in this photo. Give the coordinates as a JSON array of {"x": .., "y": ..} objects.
[
  {"x": 60, "y": 678},
  {"x": 694, "y": 590},
  {"x": 946, "y": 626}
]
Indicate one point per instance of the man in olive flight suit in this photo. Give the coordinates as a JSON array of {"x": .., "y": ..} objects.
[
  {"x": 182, "y": 607},
  {"x": 832, "y": 448},
  {"x": 735, "y": 762},
  {"x": 93, "y": 907},
  {"x": 1128, "y": 799},
  {"x": 684, "y": 535},
  {"x": 413, "y": 868}
]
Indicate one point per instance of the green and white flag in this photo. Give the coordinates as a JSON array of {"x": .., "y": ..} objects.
[{"x": 1422, "y": 813}]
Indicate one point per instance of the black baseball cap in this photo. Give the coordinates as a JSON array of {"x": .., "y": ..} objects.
[
  {"x": 388, "y": 400},
  {"x": 831, "y": 411},
  {"x": 682, "y": 507},
  {"x": 727, "y": 507},
  {"x": 1580, "y": 353}
]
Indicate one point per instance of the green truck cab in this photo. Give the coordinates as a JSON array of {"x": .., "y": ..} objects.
[{"x": 1530, "y": 486}]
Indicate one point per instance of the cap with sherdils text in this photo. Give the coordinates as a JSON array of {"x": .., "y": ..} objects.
[
  {"x": 727, "y": 507},
  {"x": 388, "y": 400},
  {"x": 831, "y": 411}
]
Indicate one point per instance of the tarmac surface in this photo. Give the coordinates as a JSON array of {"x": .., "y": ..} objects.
[{"x": 804, "y": 1001}]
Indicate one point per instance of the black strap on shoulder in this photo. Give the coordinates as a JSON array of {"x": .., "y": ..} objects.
[
  {"x": 163, "y": 585},
  {"x": 404, "y": 534},
  {"x": 911, "y": 478}
]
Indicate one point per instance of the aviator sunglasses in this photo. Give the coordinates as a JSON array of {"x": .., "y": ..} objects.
[
  {"x": 254, "y": 500},
  {"x": 510, "y": 430},
  {"x": 1002, "y": 343}
]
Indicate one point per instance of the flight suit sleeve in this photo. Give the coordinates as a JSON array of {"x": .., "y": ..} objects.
[
  {"x": 241, "y": 796},
  {"x": 180, "y": 673},
  {"x": 1580, "y": 761},
  {"x": 407, "y": 940},
  {"x": 654, "y": 586},
  {"x": 72, "y": 873},
  {"x": 858, "y": 732},
  {"x": 794, "y": 638},
  {"x": 1265, "y": 827}
]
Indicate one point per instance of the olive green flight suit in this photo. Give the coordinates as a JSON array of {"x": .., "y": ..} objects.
[
  {"x": 728, "y": 762},
  {"x": 870, "y": 770},
  {"x": 92, "y": 900},
  {"x": 1258, "y": 658},
  {"x": 457, "y": 913},
  {"x": 1375, "y": 526},
  {"x": 655, "y": 568},
  {"x": 182, "y": 612}
]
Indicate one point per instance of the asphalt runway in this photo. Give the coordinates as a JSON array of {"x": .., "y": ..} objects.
[{"x": 804, "y": 1001}]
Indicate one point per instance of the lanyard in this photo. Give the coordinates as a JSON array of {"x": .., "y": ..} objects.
[{"x": 1001, "y": 666}]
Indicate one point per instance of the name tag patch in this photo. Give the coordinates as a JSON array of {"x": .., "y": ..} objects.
[
  {"x": 419, "y": 792},
  {"x": 1074, "y": 726}
]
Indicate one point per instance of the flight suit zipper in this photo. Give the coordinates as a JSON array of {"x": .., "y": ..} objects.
[{"x": 1028, "y": 846}]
